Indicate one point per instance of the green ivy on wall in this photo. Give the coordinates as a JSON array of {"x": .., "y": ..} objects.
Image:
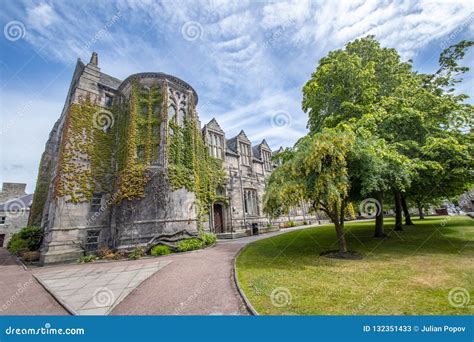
[
  {"x": 190, "y": 164},
  {"x": 41, "y": 192},
  {"x": 138, "y": 140},
  {"x": 85, "y": 162}
]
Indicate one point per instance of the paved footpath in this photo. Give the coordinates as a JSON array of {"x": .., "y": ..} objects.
[
  {"x": 196, "y": 283},
  {"x": 20, "y": 293}
]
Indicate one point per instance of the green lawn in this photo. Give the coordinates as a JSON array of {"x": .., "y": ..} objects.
[{"x": 409, "y": 273}]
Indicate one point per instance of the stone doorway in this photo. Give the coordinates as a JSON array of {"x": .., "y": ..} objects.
[
  {"x": 2, "y": 239},
  {"x": 218, "y": 218}
]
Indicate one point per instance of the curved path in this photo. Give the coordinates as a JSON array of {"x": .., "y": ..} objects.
[{"x": 195, "y": 283}]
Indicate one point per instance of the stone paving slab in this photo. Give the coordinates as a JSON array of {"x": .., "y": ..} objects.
[{"x": 94, "y": 289}]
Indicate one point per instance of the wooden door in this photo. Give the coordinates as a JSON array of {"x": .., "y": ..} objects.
[{"x": 218, "y": 221}]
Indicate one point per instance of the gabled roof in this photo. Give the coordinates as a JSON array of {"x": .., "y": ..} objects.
[
  {"x": 22, "y": 202},
  {"x": 214, "y": 125},
  {"x": 232, "y": 142},
  {"x": 242, "y": 136},
  {"x": 257, "y": 149},
  {"x": 278, "y": 151}
]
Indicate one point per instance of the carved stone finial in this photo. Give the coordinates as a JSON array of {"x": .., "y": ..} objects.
[{"x": 94, "y": 59}]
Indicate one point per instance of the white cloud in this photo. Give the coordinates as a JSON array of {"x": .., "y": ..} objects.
[{"x": 250, "y": 62}]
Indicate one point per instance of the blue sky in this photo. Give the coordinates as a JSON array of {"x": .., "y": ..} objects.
[{"x": 247, "y": 60}]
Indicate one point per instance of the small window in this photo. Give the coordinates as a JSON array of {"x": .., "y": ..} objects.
[
  {"x": 96, "y": 203},
  {"x": 92, "y": 240},
  {"x": 267, "y": 159},
  {"x": 250, "y": 202},
  {"x": 245, "y": 153},
  {"x": 3, "y": 219},
  {"x": 145, "y": 110},
  {"x": 156, "y": 109},
  {"x": 216, "y": 145},
  {"x": 108, "y": 100}
]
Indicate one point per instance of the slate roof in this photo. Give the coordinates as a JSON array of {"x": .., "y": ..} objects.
[
  {"x": 23, "y": 202},
  {"x": 109, "y": 81}
]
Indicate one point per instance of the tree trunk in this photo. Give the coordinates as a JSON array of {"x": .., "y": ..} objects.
[
  {"x": 379, "y": 232},
  {"x": 408, "y": 221},
  {"x": 343, "y": 209},
  {"x": 420, "y": 211},
  {"x": 398, "y": 211},
  {"x": 341, "y": 239}
]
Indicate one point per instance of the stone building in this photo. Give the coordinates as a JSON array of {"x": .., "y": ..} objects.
[
  {"x": 14, "y": 210},
  {"x": 128, "y": 164}
]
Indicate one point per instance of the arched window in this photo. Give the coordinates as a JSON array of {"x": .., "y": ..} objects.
[
  {"x": 181, "y": 115},
  {"x": 171, "y": 113}
]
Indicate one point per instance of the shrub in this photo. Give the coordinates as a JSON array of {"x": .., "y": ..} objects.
[
  {"x": 31, "y": 256},
  {"x": 16, "y": 245},
  {"x": 87, "y": 258},
  {"x": 137, "y": 253},
  {"x": 160, "y": 250},
  {"x": 103, "y": 252},
  {"x": 190, "y": 245},
  {"x": 305, "y": 223},
  {"x": 208, "y": 238},
  {"x": 27, "y": 239}
]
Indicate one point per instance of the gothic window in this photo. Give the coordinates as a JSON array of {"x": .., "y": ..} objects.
[
  {"x": 267, "y": 160},
  {"x": 145, "y": 110},
  {"x": 171, "y": 113},
  {"x": 245, "y": 153},
  {"x": 156, "y": 109},
  {"x": 96, "y": 202},
  {"x": 250, "y": 202},
  {"x": 92, "y": 240},
  {"x": 216, "y": 145},
  {"x": 181, "y": 115}
]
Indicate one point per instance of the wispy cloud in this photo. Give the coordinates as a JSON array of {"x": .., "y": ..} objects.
[{"x": 249, "y": 60}]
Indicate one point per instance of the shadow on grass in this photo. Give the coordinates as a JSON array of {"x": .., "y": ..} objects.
[{"x": 299, "y": 249}]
